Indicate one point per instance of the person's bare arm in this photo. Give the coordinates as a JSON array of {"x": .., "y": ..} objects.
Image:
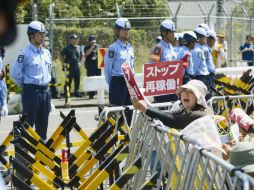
[
  {"x": 139, "y": 105},
  {"x": 89, "y": 51}
]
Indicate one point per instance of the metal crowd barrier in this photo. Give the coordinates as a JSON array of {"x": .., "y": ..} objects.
[
  {"x": 121, "y": 110},
  {"x": 221, "y": 105},
  {"x": 171, "y": 160}
]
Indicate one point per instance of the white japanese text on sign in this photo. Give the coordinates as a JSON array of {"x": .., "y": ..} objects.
[{"x": 162, "y": 78}]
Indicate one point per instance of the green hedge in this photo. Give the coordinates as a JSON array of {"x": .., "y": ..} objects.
[{"x": 138, "y": 39}]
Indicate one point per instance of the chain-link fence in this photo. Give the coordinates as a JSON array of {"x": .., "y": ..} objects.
[{"x": 234, "y": 22}]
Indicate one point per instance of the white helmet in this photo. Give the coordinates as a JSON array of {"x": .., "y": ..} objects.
[
  {"x": 200, "y": 32},
  {"x": 180, "y": 35},
  {"x": 158, "y": 39},
  {"x": 211, "y": 34},
  {"x": 189, "y": 36},
  {"x": 35, "y": 26},
  {"x": 203, "y": 25},
  {"x": 122, "y": 23},
  {"x": 176, "y": 36},
  {"x": 167, "y": 25}
]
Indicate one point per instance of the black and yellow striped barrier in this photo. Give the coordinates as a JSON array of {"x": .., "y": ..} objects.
[
  {"x": 29, "y": 175},
  {"x": 102, "y": 166},
  {"x": 151, "y": 183},
  {"x": 127, "y": 175},
  {"x": 77, "y": 128},
  {"x": 87, "y": 143},
  {"x": 60, "y": 128},
  {"x": 11, "y": 86},
  {"x": 89, "y": 165},
  {"x": 40, "y": 147},
  {"x": 56, "y": 84},
  {"x": 53, "y": 179},
  {"x": 4, "y": 162},
  {"x": 95, "y": 146},
  {"x": 67, "y": 86},
  {"x": 58, "y": 141},
  {"x": 6, "y": 143},
  {"x": 19, "y": 183},
  {"x": 40, "y": 157},
  {"x": 104, "y": 174},
  {"x": 3, "y": 147}
]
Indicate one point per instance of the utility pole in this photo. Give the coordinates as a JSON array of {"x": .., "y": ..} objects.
[
  {"x": 219, "y": 13},
  {"x": 35, "y": 9},
  {"x": 51, "y": 28}
]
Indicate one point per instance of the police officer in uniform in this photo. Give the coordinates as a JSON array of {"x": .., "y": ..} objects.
[
  {"x": 189, "y": 39},
  {"x": 164, "y": 51},
  {"x": 3, "y": 91},
  {"x": 91, "y": 60},
  {"x": 117, "y": 54},
  {"x": 70, "y": 54},
  {"x": 32, "y": 71},
  {"x": 211, "y": 38},
  {"x": 199, "y": 63}
]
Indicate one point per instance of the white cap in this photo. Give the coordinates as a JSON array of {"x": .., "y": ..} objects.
[
  {"x": 211, "y": 34},
  {"x": 122, "y": 23},
  {"x": 200, "y": 32},
  {"x": 167, "y": 25},
  {"x": 36, "y": 26},
  {"x": 198, "y": 88},
  {"x": 205, "y": 26}
]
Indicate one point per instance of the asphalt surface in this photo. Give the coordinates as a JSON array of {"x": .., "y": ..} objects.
[{"x": 85, "y": 110}]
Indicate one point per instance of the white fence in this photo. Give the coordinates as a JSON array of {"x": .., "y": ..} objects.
[{"x": 98, "y": 83}]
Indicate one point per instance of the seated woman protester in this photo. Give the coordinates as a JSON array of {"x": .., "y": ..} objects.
[{"x": 193, "y": 106}]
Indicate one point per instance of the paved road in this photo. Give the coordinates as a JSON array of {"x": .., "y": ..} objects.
[{"x": 85, "y": 118}]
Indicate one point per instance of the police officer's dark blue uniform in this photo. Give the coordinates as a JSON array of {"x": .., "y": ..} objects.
[
  {"x": 70, "y": 54},
  {"x": 91, "y": 60},
  {"x": 164, "y": 51},
  {"x": 117, "y": 54},
  {"x": 247, "y": 50},
  {"x": 32, "y": 71}
]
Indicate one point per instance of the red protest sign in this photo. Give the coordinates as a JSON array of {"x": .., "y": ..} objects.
[
  {"x": 131, "y": 82},
  {"x": 162, "y": 77}
]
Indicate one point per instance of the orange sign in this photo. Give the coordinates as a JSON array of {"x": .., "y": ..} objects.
[{"x": 101, "y": 54}]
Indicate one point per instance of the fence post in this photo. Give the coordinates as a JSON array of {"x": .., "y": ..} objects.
[
  {"x": 209, "y": 14},
  {"x": 202, "y": 10}
]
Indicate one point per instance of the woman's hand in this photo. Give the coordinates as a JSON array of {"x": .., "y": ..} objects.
[{"x": 139, "y": 105}]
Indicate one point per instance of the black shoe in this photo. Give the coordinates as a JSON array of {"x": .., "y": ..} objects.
[{"x": 78, "y": 95}]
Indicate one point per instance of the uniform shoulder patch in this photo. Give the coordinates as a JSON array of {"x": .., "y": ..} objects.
[
  {"x": 157, "y": 50},
  {"x": 111, "y": 53},
  {"x": 20, "y": 58},
  {"x": 156, "y": 54}
]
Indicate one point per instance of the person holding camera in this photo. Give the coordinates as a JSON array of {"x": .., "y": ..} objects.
[{"x": 91, "y": 60}]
